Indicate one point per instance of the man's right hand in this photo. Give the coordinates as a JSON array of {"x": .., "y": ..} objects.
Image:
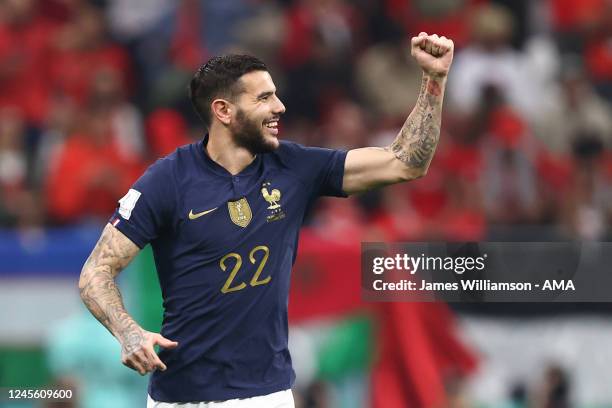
[{"x": 138, "y": 351}]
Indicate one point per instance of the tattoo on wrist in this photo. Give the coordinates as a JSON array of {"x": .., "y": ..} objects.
[{"x": 131, "y": 340}]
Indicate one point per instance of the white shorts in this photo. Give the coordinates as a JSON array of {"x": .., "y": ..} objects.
[{"x": 281, "y": 399}]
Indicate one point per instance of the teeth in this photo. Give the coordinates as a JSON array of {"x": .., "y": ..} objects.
[{"x": 272, "y": 124}]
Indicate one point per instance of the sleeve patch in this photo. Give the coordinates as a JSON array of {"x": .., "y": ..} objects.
[{"x": 128, "y": 202}]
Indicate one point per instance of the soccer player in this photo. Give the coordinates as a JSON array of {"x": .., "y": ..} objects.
[{"x": 223, "y": 217}]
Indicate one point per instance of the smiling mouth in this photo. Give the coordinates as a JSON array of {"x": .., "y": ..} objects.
[{"x": 272, "y": 125}]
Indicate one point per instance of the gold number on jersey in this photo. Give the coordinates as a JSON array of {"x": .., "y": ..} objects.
[
  {"x": 255, "y": 279},
  {"x": 227, "y": 287}
]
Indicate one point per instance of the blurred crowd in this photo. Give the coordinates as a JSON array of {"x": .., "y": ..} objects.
[{"x": 91, "y": 92}]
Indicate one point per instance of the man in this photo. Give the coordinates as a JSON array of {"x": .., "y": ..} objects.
[{"x": 223, "y": 217}]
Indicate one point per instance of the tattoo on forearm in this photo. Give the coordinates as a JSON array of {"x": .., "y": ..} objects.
[
  {"x": 417, "y": 140},
  {"x": 100, "y": 293}
]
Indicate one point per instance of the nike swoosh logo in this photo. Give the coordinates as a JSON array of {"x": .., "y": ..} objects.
[{"x": 193, "y": 216}]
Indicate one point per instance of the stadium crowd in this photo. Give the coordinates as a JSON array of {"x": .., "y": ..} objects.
[{"x": 93, "y": 91}]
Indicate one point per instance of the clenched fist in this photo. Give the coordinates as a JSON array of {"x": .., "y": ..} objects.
[{"x": 433, "y": 54}]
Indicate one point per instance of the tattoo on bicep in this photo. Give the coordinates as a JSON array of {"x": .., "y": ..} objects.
[
  {"x": 99, "y": 291},
  {"x": 417, "y": 140}
]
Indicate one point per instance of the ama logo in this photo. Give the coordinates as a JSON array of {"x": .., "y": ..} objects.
[{"x": 551, "y": 284}]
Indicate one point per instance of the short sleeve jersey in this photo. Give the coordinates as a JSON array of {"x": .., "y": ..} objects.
[{"x": 224, "y": 246}]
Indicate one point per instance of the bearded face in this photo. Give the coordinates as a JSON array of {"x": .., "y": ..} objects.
[{"x": 257, "y": 135}]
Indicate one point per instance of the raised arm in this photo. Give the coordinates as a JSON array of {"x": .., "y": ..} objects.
[
  {"x": 410, "y": 154},
  {"x": 113, "y": 252}
]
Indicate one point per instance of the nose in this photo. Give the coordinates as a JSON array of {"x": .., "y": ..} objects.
[{"x": 279, "y": 107}]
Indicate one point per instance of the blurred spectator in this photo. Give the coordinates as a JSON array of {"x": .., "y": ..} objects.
[
  {"x": 216, "y": 38},
  {"x": 448, "y": 18},
  {"x": 587, "y": 209},
  {"x": 554, "y": 390},
  {"x": 26, "y": 39},
  {"x": 510, "y": 194},
  {"x": 20, "y": 204},
  {"x": 60, "y": 123},
  {"x": 13, "y": 170},
  {"x": 320, "y": 38},
  {"x": 64, "y": 383},
  {"x": 388, "y": 79},
  {"x": 464, "y": 218},
  {"x": 318, "y": 30},
  {"x": 13, "y": 164},
  {"x": 166, "y": 130},
  {"x": 61, "y": 11},
  {"x": 490, "y": 61},
  {"x": 262, "y": 34},
  {"x": 108, "y": 94},
  {"x": 186, "y": 36},
  {"x": 396, "y": 219},
  {"x": 337, "y": 219},
  {"x": 168, "y": 54},
  {"x": 317, "y": 396},
  {"x": 573, "y": 21},
  {"x": 344, "y": 126},
  {"x": 456, "y": 392},
  {"x": 577, "y": 110},
  {"x": 517, "y": 397},
  {"x": 510, "y": 188},
  {"x": 131, "y": 20},
  {"x": 598, "y": 52},
  {"x": 429, "y": 198},
  {"x": 89, "y": 175},
  {"x": 84, "y": 50},
  {"x": 572, "y": 17}
]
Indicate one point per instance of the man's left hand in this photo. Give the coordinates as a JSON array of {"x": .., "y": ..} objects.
[{"x": 433, "y": 54}]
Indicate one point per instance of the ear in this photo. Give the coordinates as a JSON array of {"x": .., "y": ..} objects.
[{"x": 222, "y": 110}]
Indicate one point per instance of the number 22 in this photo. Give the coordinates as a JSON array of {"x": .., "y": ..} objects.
[{"x": 255, "y": 279}]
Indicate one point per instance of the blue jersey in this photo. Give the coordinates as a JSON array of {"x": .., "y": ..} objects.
[{"x": 224, "y": 246}]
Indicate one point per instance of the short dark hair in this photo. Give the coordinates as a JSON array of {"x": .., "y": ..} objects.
[{"x": 219, "y": 77}]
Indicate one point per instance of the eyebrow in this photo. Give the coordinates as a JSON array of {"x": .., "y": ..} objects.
[{"x": 264, "y": 94}]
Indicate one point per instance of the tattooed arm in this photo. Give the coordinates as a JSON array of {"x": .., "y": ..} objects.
[
  {"x": 113, "y": 252},
  {"x": 410, "y": 154}
]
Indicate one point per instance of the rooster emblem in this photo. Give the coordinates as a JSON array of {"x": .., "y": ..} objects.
[{"x": 271, "y": 198}]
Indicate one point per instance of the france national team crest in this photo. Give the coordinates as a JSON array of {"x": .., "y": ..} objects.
[
  {"x": 273, "y": 198},
  {"x": 240, "y": 212}
]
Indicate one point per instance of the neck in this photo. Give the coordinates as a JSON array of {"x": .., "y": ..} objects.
[{"x": 222, "y": 149}]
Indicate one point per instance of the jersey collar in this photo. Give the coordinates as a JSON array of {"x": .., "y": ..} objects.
[{"x": 217, "y": 168}]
